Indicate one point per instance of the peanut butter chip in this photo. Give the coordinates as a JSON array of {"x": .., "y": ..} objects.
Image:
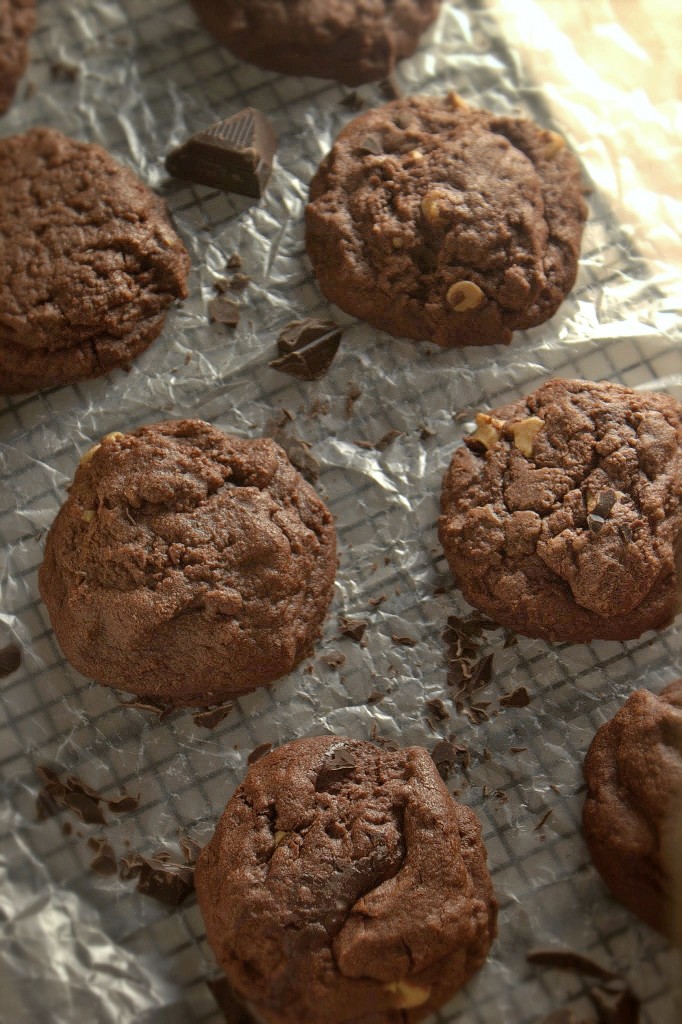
[
  {"x": 432, "y": 205},
  {"x": 88, "y": 515},
  {"x": 279, "y": 838},
  {"x": 464, "y": 296},
  {"x": 488, "y": 430},
  {"x": 113, "y": 436},
  {"x": 555, "y": 143},
  {"x": 456, "y": 101},
  {"x": 525, "y": 432},
  {"x": 406, "y": 994}
]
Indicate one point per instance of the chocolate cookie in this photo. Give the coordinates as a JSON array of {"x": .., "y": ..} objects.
[
  {"x": 343, "y": 883},
  {"x": 633, "y": 772},
  {"x": 187, "y": 565},
  {"x": 90, "y": 262},
  {"x": 353, "y": 41},
  {"x": 435, "y": 221},
  {"x": 562, "y": 516},
  {"x": 17, "y": 21}
]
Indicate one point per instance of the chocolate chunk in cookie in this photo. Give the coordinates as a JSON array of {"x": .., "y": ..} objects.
[
  {"x": 633, "y": 807},
  {"x": 17, "y": 21},
  {"x": 188, "y": 566},
  {"x": 90, "y": 262},
  {"x": 343, "y": 882},
  {"x": 353, "y": 41},
  {"x": 561, "y": 517},
  {"x": 435, "y": 221}
]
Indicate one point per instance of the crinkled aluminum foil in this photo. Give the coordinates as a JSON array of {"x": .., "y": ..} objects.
[{"x": 139, "y": 77}]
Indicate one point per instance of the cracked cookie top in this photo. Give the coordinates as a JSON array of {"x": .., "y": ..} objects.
[
  {"x": 633, "y": 809},
  {"x": 352, "y": 41},
  {"x": 562, "y": 514},
  {"x": 90, "y": 262},
  {"x": 17, "y": 21},
  {"x": 187, "y": 565},
  {"x": 435, "y": 221},
  {"x": 344, "y": 883}
]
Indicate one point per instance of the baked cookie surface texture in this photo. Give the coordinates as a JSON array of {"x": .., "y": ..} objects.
[
  {"x": 435, "y": 221},
  {"x": 17, "y": 21},
  {"x": 633, "y": 772},
  {"x": 187, "y": 565},
  {"x": 90, "y": 262},
  {"x": 343, "y": 883},
  {"x": 352, "y": 41},
  {"x": 561, "y": 517}
]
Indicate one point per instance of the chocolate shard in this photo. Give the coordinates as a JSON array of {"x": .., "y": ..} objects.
[
  {"x": 10, "y": 660},
  {"x": 445, "y": 758},
  {"x": 104, "y": 861},
  {"x": 259, "y": 752},
  {"x": 354, "y": 628},
  {"x": 307, "y": 348},
  {"x": 234, "y": 155},
  {"x": 169, "y": 887},
  {"x": 224, "y": 311},
  {"x": 518, "y": 698},
  {"x": 335, "y": 769}
]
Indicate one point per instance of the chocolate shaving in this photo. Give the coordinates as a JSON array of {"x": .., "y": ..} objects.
[
  {"x": 518, "y": 698},
  {"x": 104, "y": 861},
  {"x": 334, "y": 659},
  {"x": 376, "y": 601},
  {"x": 151, "y": 706},
  {"x": 383, "y": 442},
  {"x": 258, "y": 752},
  {"x": 307, "y": 348},
  {"x": 212, "y": 717},
  {"x": 165, "y": 886},
  {"x": 10, "y": 660},
  {"x": 404, "y": 641},
  {"x": 123, "y": 804},
  {"x": 438, "y": 709},
  {"x": 543, "y": 820},
  {"x": 130, "y": 866},
  {"x": 229, "y": 1003},
  {"x": 569, "y": 960},
  {"x": 224, "y": 311},
  {"x": 190, "y": 850},
  {"x": 71, "y": 795},
  {"x": 444, "y": 756},
  {"x": 353, "y": 628}
]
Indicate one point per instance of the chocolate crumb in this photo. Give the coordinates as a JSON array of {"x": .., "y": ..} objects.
[
  {"x": 595, "y": 523},
  {"x": 376, "y": 601},
  {"x": 224, "y": 311},
  {"x": 238, "y": 282},
  {"x": 375, "y": 697},
  {"x": 353, "y": 101},
  {"x": 10, "y": 660},
  {"x": 235, "y": 262},
  {"x": 212, "y": 717},
  {"x": 404, "y": 641},
  {"x": 382, "y": 444},
  {"x": 67, "y": 828},
  {"x": 438, "y": 709},
  {"x": 425, "y": 433},
  {"x": 518, "y": 698},
  {"x": 333, "y": 659},
  {"x": 165, "y": 886},
  {"x": 352, "y": 394},
  {"x": 353, "y": 628},
  {"x": 104, "y": 861},
  {"x": 258, "y": 752},
  {"x": 518, "y": 750},
  {"x": 61, "y": 71}
]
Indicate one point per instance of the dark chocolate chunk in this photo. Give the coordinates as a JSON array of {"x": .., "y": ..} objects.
[
  {"x": 371, "y": 144},
  {"x": 259, "y": 752},
  {"x": 595, "y": 523},
  {"x": 104, "y": 861},
  {"x": 10, "y": 660},
  {"x": 569, "y": 960},
  {"x": 224, "y": 311},
  {"x": 234, "y": 155},
  {"x": 87, "y": 809},
  {"x": 334, "y": 659},
  {"x": 335, "y": 769},
  {"x": 518, "y": 698},
  {"x": 605, "y": 502},
  {"x": 354, "y": 628},
  {"x": 307, "y": 348},
  {"x": 165, "y": 886}
]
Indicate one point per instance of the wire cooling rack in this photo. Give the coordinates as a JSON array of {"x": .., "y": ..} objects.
[{"x": 138, "y": 76}]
